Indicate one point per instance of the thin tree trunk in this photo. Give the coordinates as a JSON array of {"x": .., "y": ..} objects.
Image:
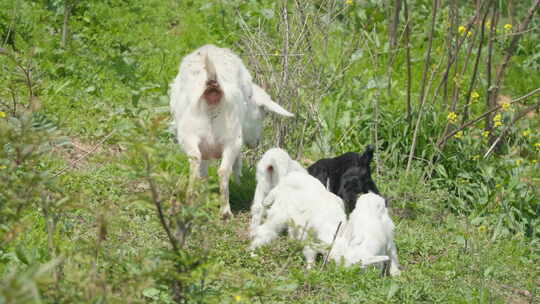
[
  {"x": 452, "y": 16},
  {"x": 494, "y": 21},
  {"x": 393, "y": 43},
  {"x": 423, "y": 87},
  {"x": 475, "y": 69},
  {"x": 394, "y": 24},
  {"x": 65, "y": 30},
  {"x": 408, "y": 55}
]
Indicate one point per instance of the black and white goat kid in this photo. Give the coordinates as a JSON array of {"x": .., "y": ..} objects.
[{"x": 347, "y": 175}]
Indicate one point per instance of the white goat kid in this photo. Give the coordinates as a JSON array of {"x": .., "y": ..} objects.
[
  {"x": 368, "y": 237},
  {"x": 216, "y": 108},
  {"x": 301, "y": 204},
  {"x": 274, "y": 165}
]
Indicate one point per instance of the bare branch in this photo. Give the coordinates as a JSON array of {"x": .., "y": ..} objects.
[
  {"x": 477, "y": 119},
  {"x": 507, "y": 128},
  {"x": 85, "y": 155}
]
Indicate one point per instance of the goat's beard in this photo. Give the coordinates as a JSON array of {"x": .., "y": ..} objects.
[{"x": 213, "y": 93}]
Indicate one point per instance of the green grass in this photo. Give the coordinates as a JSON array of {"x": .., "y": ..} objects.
[{"x": 444, "y": 257}]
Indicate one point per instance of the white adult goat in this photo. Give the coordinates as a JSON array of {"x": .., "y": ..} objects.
[
  {"x": 216, "y": 108},
  {"x": 273, "y": 166}
]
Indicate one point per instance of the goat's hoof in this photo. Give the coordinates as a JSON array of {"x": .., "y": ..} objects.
[{"x": 226, "y": 215}]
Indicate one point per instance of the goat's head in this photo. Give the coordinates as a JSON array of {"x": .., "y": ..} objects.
[{"x": 357, "y": 180}]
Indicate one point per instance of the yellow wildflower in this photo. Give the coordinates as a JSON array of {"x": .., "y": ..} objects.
[
  {"x": 526, "y": 133},
  {"x": 237, "y": 298},
  {"x": 348, "y": 2},
  {"x": 458, "y": 134},
  {"x": 508, "y": 26},
  {"x": 452, "y": 117},
  {"x": 537, "y": 145},
  {"x": 469, "y": 34},
  {"x": 476, "y": 157},
  {"x": 497, "y": 120},
  {"x": 482, "y": 229},
  {"x": 505, "y": 106},
  {"x": 461, "y": 30},
  {"x": 519, "y": 161},
  {"x": 475, "y": 95},
  {"x": 485, "y": 134},
  {"x": 2, "y": 114}
]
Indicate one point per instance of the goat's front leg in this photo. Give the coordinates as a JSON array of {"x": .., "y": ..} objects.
[
  {"x": 203, "y": 169},
  {"x": 263, "y": 235},
  {"x": 230, "y": 154},
  {"x": 310, "y": 254},
  {"x": 394, "y": 264},
  {"x": 257, "y": 208},
  {"x": 268, "y": 231},
  {"x": 192, "y": 151}
]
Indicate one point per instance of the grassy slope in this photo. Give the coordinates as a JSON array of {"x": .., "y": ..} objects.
[{"x": 444, "y": 258}]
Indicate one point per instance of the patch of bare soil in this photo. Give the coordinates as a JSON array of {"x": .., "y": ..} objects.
[
  {"x": 77, "y": 153},
  {"x": 516, "y": 296}
]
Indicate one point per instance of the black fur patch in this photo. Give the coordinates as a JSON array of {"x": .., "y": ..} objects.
[{"x": 348, "y": 175}]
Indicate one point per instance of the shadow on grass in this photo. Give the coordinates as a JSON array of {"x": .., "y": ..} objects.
[{"x": 241, "y": 195}]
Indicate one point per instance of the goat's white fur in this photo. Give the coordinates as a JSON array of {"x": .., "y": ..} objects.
[
  {"x": 301, "y": 204},
  {"x": 211, "y": 131},
  {"x": 368, "y": 236},
  {"x": 273, "y": 166}
]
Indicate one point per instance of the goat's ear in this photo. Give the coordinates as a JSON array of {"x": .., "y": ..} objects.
[
  {"x": 374, "y": 259},
  {"x": 262, "y": 99},
  {"x": 367, "y": 156}
]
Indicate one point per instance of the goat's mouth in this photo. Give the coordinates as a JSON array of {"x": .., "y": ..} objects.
[{"x": 213, "y": 93}]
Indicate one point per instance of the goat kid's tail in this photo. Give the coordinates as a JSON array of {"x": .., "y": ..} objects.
[
  {"x": 262, "y": 99},
  {"x": 275, "y": 168}
]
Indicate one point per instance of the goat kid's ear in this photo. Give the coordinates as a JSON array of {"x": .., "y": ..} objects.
[
  {"x": 375, "y": 259},
  {"x": 367, "y": 156}
]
